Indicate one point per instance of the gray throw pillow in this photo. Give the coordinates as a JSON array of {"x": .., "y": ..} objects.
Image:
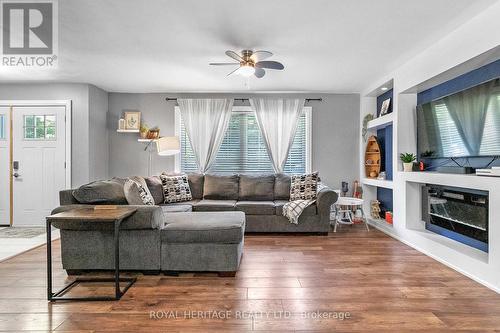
[
  {"x": 304, "y": 187},
  {"x": 175, "y": 188},
  {"x": 101, "y": 192},
  {"x": 156, "y": 188},
  {"x": 137, "y": 192}
]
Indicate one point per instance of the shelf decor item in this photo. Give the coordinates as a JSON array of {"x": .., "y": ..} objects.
[
  {"x": 385, "y": 107},
  {"x": 407, "y": 159},
  {"x": 121, "y": 124},
  {"x": 372, "y": 158},
  {"x": 132, "y": 120},
  {"x": 388, "y": 217},
  {"x": 143, "y": 131},
  {"x": 375, "y": 209},
  {"x": 366, "y": 119},
  {"x": 153, "y": 133}
]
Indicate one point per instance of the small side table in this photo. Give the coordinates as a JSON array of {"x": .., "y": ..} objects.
[
  {"x": 91, "y": 216},
  {"x": 344, "y": 207}
]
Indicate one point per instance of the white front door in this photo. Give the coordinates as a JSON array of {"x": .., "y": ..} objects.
[
  {"x": 4, "y": 166},
  {"x": 38, "y": 162}
]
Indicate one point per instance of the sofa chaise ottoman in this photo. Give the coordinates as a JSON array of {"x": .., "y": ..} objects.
[{"x": 202, "y": 241}]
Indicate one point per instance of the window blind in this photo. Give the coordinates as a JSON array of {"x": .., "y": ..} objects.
[{"x": 243, "y": 149}]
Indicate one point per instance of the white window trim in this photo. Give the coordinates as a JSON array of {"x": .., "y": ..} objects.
[{"x": 307, "y": 111}]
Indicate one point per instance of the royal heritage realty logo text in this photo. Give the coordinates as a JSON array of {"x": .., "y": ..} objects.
[{"x": 29, "y": 33}]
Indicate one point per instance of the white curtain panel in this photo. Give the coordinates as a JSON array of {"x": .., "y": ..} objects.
[
  {"x": 468, "y": 110},
  {"x": 206, "y": 122},
  {"x": 278, "y": 120}
]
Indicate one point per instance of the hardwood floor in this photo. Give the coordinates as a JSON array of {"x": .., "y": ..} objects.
[{"x": 354, "y": 280}]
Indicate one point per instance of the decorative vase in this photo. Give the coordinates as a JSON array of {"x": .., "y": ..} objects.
[
  {"x": 143, "y": 134},
  {"x": 408, "y": 167}
]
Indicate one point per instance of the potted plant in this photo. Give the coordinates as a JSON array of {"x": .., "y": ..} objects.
[
  {"x": 143, "y": 131},
  {"x": 407, "y": 159}
]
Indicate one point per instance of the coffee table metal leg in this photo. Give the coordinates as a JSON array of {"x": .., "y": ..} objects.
[
  {"x": 118, "y": 293},
  {"x": 49, "y": 260}
]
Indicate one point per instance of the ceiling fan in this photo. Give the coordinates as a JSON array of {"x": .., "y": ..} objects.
[{"x": 250, "y": 63}]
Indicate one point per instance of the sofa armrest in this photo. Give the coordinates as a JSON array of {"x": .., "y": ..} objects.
[
  {"x": 66, "y": 198},
  {"x": 146, "y": 217},
  {"x": 325, "y": 199}
]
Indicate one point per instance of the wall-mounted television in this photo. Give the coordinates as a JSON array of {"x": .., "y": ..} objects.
[{"x": 464, "y": 124}]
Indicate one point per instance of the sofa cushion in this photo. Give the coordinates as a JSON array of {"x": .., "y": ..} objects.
[
  {"x": 258, "y": 187},
  {"x": 214, "y": 205},
  {"x": 196, "y": 181},
  {"x": 282, "y": 187},
  {"x": 175, "y": 188},
  {"x": 218, "y": 187},
  {"x": 155, "y": 188},
  {"x": 304, "y": 187},
  {"x": 309, "y": 211},
  {"x": 137, "y": 192},
  {"x": 176, "y": 208},
  {"x": 207, "y": 227},
  {"x": 256, "y": 207},
  {"x": 102, "y": 192}
]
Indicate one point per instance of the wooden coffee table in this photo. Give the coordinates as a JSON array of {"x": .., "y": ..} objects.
[{"x": 92, "y": 216}]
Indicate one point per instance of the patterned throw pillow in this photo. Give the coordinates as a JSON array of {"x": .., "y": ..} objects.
[
  {"x": 304, "y": 187},
  {"x": 175, "y": 188},
  {"x": 137, "y": 192}
]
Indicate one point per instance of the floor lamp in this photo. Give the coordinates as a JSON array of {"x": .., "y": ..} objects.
[{"x": 165, "y": 146}]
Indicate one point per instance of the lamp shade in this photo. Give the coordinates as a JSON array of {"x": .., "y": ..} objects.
[{"x": 168, "y": 145}]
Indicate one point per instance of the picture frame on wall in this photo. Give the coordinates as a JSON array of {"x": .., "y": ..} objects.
[
  {"x": 132, "y": 120},
  {"x": 384, "y": 108}
]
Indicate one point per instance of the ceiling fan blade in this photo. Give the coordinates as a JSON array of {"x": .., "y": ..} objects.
[
  {"x": 223, "y": 63},
  {"x": 259, "y": 72},
  {"x": 233, "y": 72},
  {"x": 270, "y": 65},
  {"x": 260, "y": 55},
  {"x": 234, "y": 55}
]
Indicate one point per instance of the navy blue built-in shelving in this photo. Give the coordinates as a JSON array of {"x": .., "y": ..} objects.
[{"x": 385, "y": 137}]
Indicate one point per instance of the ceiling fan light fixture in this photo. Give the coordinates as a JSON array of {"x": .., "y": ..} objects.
[{"x": 247, "y": 70}]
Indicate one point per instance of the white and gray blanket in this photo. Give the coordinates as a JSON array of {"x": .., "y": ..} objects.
[{"x": 293, "y": 209}]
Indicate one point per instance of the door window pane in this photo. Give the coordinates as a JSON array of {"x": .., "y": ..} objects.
[
  {"x": 29, "y": 132},
  {"x": 40, "y": 127}
]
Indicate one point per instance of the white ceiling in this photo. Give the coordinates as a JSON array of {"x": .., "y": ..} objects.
[{"x": 165, "y": 46}]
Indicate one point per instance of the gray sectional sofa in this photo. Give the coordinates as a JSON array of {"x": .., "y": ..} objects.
[{"x": 204, "y": 234}]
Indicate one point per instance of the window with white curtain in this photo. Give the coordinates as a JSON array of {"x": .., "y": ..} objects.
[
  {"x": 243, "y": 149},
  {"x": 451, "y": 141},
  {"x": 491, "y": 132}
]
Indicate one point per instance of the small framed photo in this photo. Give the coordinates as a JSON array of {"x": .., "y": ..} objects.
[
  {"x": 385, "y": 106},
  {"x": 132, "y": 120}
]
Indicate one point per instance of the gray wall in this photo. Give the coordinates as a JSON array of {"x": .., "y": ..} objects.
[
  {"x": 335, "y": 133},
  {"x": 98, "y": 134},
  {"x": 79, "y": 95},
  {"x": 89, "y": 145}
]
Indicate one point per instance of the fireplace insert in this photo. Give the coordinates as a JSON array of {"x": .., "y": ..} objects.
[{"x": 457, "y": 213}]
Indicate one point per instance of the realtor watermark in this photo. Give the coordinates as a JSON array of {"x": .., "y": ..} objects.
[
  {"x": 228, "y": 314},
  {"x": 29, "y": 33}
]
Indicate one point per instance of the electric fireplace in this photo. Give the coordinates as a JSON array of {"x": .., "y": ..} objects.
[{"x": 457, "y": 213}]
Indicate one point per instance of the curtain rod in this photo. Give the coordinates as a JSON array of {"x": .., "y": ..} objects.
[{"x": 168, "y": 99}]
